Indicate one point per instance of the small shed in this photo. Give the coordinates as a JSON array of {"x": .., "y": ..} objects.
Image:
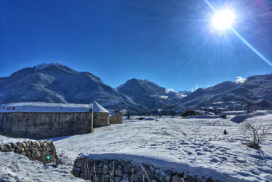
[
  {"x": 116, "y": 117},
  {"x": 101, "y": 116},
  {"x": 45, "y": 120}
]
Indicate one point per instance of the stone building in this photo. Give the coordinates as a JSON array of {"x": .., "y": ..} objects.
[
  {"x": 116, "y": 117},
  {"x": 101, "y": 116},
  {"x": 45, "y": 120}
]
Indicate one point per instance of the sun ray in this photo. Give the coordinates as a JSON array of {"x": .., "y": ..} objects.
[{"x": 243, "y": 39}]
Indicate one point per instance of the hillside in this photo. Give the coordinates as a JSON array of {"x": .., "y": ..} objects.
[
  {"x": 151, "y": 95},
  {"x": 58, "y": 83},
  {"x": 254, "y": 93}
]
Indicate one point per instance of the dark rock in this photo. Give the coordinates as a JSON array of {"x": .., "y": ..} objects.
[
  {"x": 105, "y": 169},
  {"x": 79, "y": 162},
  {"x": 117, "y": 179},
  {"x": 176, "y": 178},
  {"x": 118, "y": 171},
  {"x": 125, "y": 176},
  {"x": 76, "y": 171}
]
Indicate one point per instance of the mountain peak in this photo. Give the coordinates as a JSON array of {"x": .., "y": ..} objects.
[
  {"x": 142, "y": 82},
  {"x": 43, "y": 66}
]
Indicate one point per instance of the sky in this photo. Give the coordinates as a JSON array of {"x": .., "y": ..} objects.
[{"x": 168, "y": 42}]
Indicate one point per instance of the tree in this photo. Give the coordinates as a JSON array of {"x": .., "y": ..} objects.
[
  {"x": 128, "y": 115},
  {"x": 256, "y": 133}
]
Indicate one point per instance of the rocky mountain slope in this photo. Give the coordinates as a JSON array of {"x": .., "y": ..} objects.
[
  {"x": 151, "y": 95},
  {"x": 58, "y": 83},
  {"x": 255, "y": 92}
]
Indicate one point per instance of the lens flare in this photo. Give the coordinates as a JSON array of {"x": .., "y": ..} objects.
[
  {"x": 223, "y": 19},
  {"x": 240, "y": 36}
]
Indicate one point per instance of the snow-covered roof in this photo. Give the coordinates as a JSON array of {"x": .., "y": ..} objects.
[
  {"x": 98, "y": 108},
  {"x": 44, "y": 107}
]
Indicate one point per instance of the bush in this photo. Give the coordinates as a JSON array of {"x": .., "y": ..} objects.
[{"x": 256, "y": 133}]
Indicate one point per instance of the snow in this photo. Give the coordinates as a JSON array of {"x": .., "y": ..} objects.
[
  {"x": 183, "y": 95},
  {"x": 240, "y": 80},
  {"x": 44, "y": 107},
  {"x": 195, "y": 144},
  {"x": 15, "y": 167},
  {"x": 43, "y": 66},
  {"x": 179, "y": 95},
  {"x": 164, "y": 97},
  {"x": 192, "y": 144},
  {"x": 98, "y": 108}
]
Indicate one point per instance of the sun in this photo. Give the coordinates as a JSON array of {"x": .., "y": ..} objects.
[{"x": 223, "y": 19}]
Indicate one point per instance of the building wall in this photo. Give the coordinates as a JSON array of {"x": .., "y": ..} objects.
[
  {"x": 117, "y": 118},
  {"x": 45, "y": 125},
  {"x": 101, "y": 119}
]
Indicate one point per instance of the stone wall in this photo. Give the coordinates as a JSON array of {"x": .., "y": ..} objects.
[
  {"x": 126, "y": 171},
  {"x": 101, "y": 119},
  {"x": 45, "y": 125},
  {"x": 117, "y": 118},
  {"x": 43, "y": 151}
]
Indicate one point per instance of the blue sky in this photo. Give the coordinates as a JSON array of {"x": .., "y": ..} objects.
[{"x": 168, "y": 42}]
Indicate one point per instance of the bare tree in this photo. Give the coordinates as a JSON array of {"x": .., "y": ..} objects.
[{"x": 256, "y": 133}]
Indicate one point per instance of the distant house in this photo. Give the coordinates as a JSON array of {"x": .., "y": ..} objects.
[
  {"x": 45, "y": 120},
  {"x": 101, "y": 116},
  {"x": 116, "y": 117}
]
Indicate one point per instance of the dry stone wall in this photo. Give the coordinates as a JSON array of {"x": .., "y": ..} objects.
[
  {"x": 43, "y": 151},
  {"x": 126, "y": 171}
]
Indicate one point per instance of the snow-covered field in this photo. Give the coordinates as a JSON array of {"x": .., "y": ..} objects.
[{"x": 194, "y": 144}]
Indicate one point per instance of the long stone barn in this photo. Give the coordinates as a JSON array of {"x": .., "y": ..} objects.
[{"x": 45, "y": 120}]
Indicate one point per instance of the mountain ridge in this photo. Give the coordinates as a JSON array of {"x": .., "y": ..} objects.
[{"x": 53, "y": 82}]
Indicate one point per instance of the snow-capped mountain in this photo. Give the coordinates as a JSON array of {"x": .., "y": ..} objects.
[
  {"x": 58, "y": 83},
  {"x": 151, "y": 95},
  {"x": 253, "y": 92}
]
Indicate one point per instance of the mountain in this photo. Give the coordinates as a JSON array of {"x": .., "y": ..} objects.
[
  {"x": 150, "y": 95},
  {"x": 254, "y": 92},
  {"x": 58, "y": 83}
]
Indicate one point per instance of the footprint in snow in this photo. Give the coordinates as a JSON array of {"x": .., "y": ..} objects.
[
  {"x": 207, "y": 150},
  {"x": 214, "y": 160},
  {"x": 244, "y": 174},
  {"x": 211, "y": 146},
  {"x": 171, "y": 148},
  {"x": 193, "y": 147},
  {"x": 199, "y": 153}
]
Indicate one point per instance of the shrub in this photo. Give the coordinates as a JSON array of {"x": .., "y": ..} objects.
[{"x": 256, "y": 133}]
